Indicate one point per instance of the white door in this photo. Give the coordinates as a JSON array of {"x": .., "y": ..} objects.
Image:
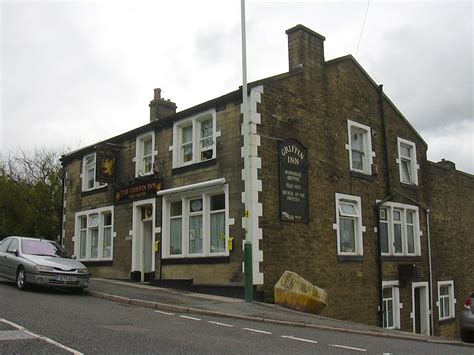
[
  {"x": 420, "y": 308},
  {"x": 143, "y": 224}
]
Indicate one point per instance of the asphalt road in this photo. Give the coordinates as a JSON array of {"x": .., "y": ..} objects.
[{"x": 85, "y": 324}]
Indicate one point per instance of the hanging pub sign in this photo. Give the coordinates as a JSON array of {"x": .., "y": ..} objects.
[
  {"x": 293, "y": 161},
  {"x": 136, "y": 191},
  {"x": 106, "y": 164}
]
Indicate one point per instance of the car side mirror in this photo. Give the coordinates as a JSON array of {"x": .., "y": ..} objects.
[
  {"x": 73, "y": 257},
  {"x": 14, "y": 251}
]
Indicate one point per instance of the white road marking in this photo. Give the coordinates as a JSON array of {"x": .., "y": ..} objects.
[
  {"x": 256, "y": 331},
  {"x": 347, "y": 347},
  {"x": 187, "y": 317},
  {"x": 217, "y": 323},
  {"x": 41, "y": 337},
  {"x": 167, "y": 313},
  {"x": 300, "y": 339}
]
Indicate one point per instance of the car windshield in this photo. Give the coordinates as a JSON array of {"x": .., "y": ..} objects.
[{"x": 43, "y": 248}]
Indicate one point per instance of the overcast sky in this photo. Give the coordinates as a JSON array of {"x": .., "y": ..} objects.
[{"x": 75, "y": 72}]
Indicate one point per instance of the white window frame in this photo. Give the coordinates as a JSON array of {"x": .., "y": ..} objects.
[
  {"x": 367, "y": 147},
  {"x": 101, "y": 227},
  {"x": 84, "y": 174},
  {"x": 358, "y": 227},
  {"x": 413, "y": 161},
  {"x": 450, "y": 297},
  {"x": 389, "y": 207},
  {"x": 394, "y": 285},
  {"x": 185, "y": 197},
  {"x": 195, "y": 122},
  {"x": 140, "y": 151}
]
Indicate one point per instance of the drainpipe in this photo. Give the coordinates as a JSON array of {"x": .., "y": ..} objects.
[
  {"x": 380, "y": 203},
  {"x": 427, "y": 211}
]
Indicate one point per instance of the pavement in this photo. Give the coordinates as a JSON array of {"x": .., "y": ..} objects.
[{"x": 170, "y": 300}]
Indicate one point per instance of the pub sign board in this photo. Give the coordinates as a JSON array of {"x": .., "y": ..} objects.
[
  {"x": 106, "y": 164},
  {"x": 293, "y": 164},
  {"x": 136, "y": 191}
]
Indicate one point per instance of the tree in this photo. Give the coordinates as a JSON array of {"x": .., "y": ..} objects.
[{"x": 30, "y": 193}]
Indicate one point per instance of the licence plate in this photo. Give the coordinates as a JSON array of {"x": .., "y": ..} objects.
[{"x": 65, "y": 278}]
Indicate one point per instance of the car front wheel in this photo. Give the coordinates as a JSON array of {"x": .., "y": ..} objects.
[{"x": 21, "y": 279}]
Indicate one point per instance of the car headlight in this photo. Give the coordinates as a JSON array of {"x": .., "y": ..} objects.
[
  {"x": 82, "y": 271},
  {"x": 43, "y": 268}
]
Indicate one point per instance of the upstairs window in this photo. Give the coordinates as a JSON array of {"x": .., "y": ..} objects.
[
  {"x": 349, "y": 225},
  {"x": 194, "y": 139},
  {"x": 88, "y": 173},
  {"x": 399, "y": 229},
  {"x": 360, "y": 147},
  {"x": 144, "y": 154},
  {"x": 407, "y": 162}
]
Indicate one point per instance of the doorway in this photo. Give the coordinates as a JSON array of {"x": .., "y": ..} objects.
[
  {"x": 420, "y": 308},
  {"x": 143, "y": 240}
]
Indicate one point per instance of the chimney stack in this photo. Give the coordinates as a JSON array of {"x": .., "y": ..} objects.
[
  {"x": 306, "y": 49},
  {"x": 160, "y": 108}
]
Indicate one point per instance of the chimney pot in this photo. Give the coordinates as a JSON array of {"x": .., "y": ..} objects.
[{"x": 157, "y": 93}]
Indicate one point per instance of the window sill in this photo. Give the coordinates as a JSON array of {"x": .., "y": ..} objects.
[
  {"x": 413, "y": 258},
  {"x": 191, "y": 167},
  {"x": 447, "y": 321},
  {"x": 362, "y": 176},
  {"x": 202, "y": 260},
  {"x": 94, "y": 191},
  {"x": 350, "y": 258},
  {"x": 97, "y": 262},
  {"x": 409, "y": 186}
]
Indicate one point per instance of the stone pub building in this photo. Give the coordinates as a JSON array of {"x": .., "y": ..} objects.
[{"x": 340, "y": 189}]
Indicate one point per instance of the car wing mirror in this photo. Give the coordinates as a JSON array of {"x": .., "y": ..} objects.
[
  {"x": 14, "y": 251},
  {"x": 74, "y": 257}
]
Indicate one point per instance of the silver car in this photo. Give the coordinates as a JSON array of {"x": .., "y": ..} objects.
[
  {"x": 30, "y": 261},
  {"x": 467, "y": 320}
]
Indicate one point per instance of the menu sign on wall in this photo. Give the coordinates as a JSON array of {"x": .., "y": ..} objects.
[{"x": 293, "y": 162}]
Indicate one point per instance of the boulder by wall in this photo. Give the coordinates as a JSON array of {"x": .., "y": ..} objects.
[{"x": 292, "y": 291}]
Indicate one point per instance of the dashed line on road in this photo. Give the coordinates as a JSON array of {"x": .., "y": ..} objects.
[
  {"x": 222, "y": 324},
  {"x": 41, "y": 337},
  {"x": 347, "y": 347},
  {"x": 257, "y": 331},
  {"x": 167, "y": 313},
  {"x": 188, "y": 317},
  {"x": 299, "y": 339}
]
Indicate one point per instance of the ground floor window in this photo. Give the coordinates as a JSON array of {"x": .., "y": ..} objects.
[
  {"x": 93, "y": 239},
  {"x": 446, "y": 299},
  {"x": 391, "y": 305},
  {"x": 196, "y": 223}
]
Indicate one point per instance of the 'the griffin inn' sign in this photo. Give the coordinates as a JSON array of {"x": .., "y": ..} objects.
[{"x": 293, "y": 161}]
